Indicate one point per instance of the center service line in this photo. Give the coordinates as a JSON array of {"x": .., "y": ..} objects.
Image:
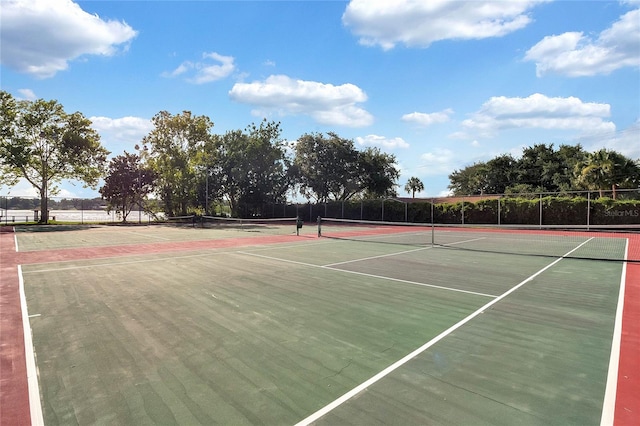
[{"x": 353, "y": 392}]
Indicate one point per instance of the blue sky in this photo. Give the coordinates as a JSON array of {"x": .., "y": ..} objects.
[{"x": 439, "y": 84}]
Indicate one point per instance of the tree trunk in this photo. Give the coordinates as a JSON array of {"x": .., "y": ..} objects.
[{"x": 44, "y": 204}]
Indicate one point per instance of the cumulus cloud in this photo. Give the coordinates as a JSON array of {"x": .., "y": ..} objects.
[
  {"x": 204, "y": 71},
  {"x": 624, "y": 141},
  {"x": 325, "y": 103},
  {"x": 573, "y": 54},
  {"x": 120, "y": 134},
  {"x": 539, "y": 111},
  {"x": 418, "y": 23},
  {"x": 427, "y": 119},
  {"x": 437, "y": 162},
  {"x": 27, "y": 94},
  {"x": 382, "y": 142},
  {"x": 40, "y": 37}
]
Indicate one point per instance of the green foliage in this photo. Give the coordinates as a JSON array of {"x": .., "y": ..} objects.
[
  {"x": 605, "y": 169},
  {"x": 414, "y": 185},
  {"x": 330, "y": 168},
  {"x": 171, "y": 150},
  {"x": 127, "y": 184},
  {"x": 542, "y": 168},
  {"x": 43, "y": 144},
  {"x": 251, "y": 168}
]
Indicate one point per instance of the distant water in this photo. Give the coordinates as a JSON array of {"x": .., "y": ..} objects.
[{"x": 88, "y": 216}]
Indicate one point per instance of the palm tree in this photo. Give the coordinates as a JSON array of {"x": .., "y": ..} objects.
[
  {"x": 606, "y": 169},
  {"x": 414, "y": 185}
]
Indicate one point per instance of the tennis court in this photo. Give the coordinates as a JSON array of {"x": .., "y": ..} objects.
[{"x": 365, "y": 325}]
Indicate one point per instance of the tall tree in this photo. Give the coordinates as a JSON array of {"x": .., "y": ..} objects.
[
  {"x": 499, "y": 174},
  {"x": 326, "y": 166},
  {"x": 471, "y": 180},
  {"x": 43, "y": 144},
  {"x": 170, "y": 150},
  {"x": 605, "y": 169},
  {"x": 251, "y": 168},
  {"x": 414, "y": 185},
  {"x": 127, "y": 184},
  {"x": 544, "y": 167},
  {"x": 331, "y": 168},
  {"x": 377, "y": 173}
]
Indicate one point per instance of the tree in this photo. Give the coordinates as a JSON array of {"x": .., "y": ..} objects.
[
  {"x": 543, "y": 167},
  {"x": 606, "y": 169},
  {"x": 472, "y": 180},
  {"x": 170, "y": 150},
  {"x": 414, "y": 185},
  {"x": 377, "y": 173},
  {"x": 326, "y": 166},
  {"x": 251, "y": 168},
  {"x": 127, "y": 184},
  {"x": 499, "y": 174},
  {"x": 43, "y": 144},
  {"x": 331, "y": 168}
]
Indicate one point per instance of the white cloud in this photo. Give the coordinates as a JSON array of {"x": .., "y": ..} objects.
[
  {"x": 40, "y": 37},
  {"x": 418, "y": 23},
  {"x": 440, "y": 161},
  {"x": 120, "y": 134},
  {"x": 325, "y": 103},
  {"x": 574, "y": 54},
  {"x": 27, "y": 94},
  {"x": 381, "y": 141},
  {"x": 205, "y": 72},
  {"x": 427, "y": 119},
  {"x": 538, "y": 111},
  {"x": 624, "y": 141}
]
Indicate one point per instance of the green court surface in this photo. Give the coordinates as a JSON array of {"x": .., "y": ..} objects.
[
  {"x": 65, "y": 236},
  {"x": 270, "y": 334}
]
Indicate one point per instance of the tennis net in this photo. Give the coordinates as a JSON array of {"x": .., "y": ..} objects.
[
  {"x": 552, "y": 241},
  {"x": 281, "y": 226}
]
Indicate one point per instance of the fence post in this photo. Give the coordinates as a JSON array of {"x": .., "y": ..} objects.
[
  {"x": 498, "y": 210},
  {"x": 540, "y": 224},
  {"x": 432, "y": 201},
  {"x": 588, "y": 209}
]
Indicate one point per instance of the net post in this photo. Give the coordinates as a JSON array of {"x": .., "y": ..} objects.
[
  {"x": 432, "y": 225},
  {"x": 319, "y": 227}
]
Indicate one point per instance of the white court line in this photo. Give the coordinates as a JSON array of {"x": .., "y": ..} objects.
[
  {"x": 609, "y": 403},
  {"x": 140, "y": 234},
  {"x": 376, "y": 257},
  {"x": 367, "y": 275},
  {"x": 395, "y": 254},
  {"x": 15, "y": 240},
  {"x": 353, "y": 392},
  {"x": 35, "y": 406}
]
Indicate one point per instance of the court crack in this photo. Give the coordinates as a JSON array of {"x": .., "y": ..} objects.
[
  {"x": 484, "y": 396},
  {"x": 339, "y": 371}
]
